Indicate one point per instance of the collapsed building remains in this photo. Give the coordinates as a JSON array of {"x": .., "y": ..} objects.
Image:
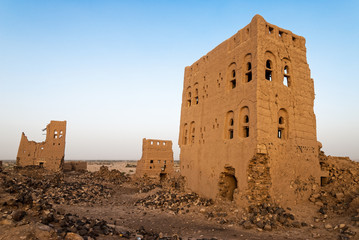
[
  {"x": 48, "y": 154},
  {"x": 75, "y": 166},
  {"x": 247, "y": 120},
  {"x": 156, "y": 160}
]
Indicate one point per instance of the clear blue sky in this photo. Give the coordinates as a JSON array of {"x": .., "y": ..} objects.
[{"x": 114, "y": 69}]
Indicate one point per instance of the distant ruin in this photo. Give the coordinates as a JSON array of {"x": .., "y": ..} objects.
[
  {"x": 48, "y": 154},
  {"x": 75, "y": 166},
  {"x": 248, "y": 129},
  {"x": 156, "y": 160}
]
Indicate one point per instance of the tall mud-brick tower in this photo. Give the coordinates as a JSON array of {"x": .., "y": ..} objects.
[{"x": 248, "y": 129}]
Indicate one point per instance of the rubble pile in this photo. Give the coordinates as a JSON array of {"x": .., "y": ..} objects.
[
  {"x": 56, "y": 190},
  {"x": 113, "y": 176},
  {"x": 267, "y": 217},
  {"x": 173, "y": 201},
  {"x": 340, "y": 195}
]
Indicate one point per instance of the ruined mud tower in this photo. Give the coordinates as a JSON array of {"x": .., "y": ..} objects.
[
  {"x": 248, "y": 129},
  {"x": 50, "y": 153},
  {"x": 156, "y": 160}
]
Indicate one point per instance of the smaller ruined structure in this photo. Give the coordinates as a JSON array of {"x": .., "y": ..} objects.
[
  {"x": 75, "y": 166},
  {"x": 48, "y": 154},
  {"x": 156, "y": 160}
]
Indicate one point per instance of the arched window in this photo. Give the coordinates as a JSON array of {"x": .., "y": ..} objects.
[
  {"x": 282, "y": 124},
  {"x": 286, "y": 76},
  {"x": 232, "y": 76},
  {"x": 193, "y": 131},
  {"x": 185, "y": 134},
  {"x": 244, "y": 122},
  {"x": 268, "y": 74},
  {"x": 229, "y": 125},
  {"x": 189, "y": 97},
  {"x": 248, "y": 68}
]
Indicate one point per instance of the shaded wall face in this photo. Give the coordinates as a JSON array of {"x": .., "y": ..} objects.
[
  {"x": 157, "y": 158},
  {"x": 286, "y": 120},
  {"x": 50, "y": 153},
  {"x": 248, "y": 106}
]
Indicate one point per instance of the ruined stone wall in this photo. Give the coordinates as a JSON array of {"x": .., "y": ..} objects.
[
  {"x": 75, "y": 166},
  {"x": 50, "y": 153},
  {"x": 230, "y": 113},
  {"x": 156, "y": 160}
]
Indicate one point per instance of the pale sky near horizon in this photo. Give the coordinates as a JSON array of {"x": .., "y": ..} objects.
[{"x": 114, "y": 69}]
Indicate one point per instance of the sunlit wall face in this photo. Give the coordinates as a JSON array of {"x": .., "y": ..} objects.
[{"x": 114, "y": 70}]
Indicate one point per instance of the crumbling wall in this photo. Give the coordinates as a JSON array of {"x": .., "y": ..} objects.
[
  {"x": 48, "y": 154},
  {"x": 156, "y": 160},
  {"x": 75, "y": 166},
  {"x": 0, "y": 164}
]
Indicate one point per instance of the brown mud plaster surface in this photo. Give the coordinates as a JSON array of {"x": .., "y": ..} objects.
[{"x": 48, "y": 154}]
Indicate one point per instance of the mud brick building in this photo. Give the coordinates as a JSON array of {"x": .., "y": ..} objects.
[
  {"x": 156, "y": 160},
  {"x": 248, "y": 129},
  {"x": 75, "y": 166},
  {"x": 50, "y": 153}
]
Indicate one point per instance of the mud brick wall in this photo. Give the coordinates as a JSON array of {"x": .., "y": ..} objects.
[
  {"x": 156, "y": 160},
  {"x": 251, "y": 94},
  {"x": 75, "y": 166},
  {"x": 49, "y": 154}
]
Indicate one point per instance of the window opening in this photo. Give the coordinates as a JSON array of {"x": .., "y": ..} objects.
[
  {"x": 189, "y": 101},
  {"x": 286, "y": 76},
  {"x": 280, "y": 33},
  {"x": 151, "y": 161},
  {"x": 280, "y": 133},
  {"x": 231, "y": 122},
  {"x": 268, "y": 73},
  {"x": 55, "y": 134},
  {"x": 246, "y": 131},
  {"x": 249, "y": 72},
  {"x": 233, "y": 82},
  {"x": 230, "y": 134},
  {"x": 246, "y": 119},
  {"x": 270, "y": 30}
]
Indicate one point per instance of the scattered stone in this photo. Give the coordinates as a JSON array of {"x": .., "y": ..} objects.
[
  {"x": 18, "y": 215},
  {"x": 73, "y": 236}
]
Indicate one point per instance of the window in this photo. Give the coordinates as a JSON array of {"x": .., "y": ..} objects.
[
  {"x": 249, "y": 72},
  {"x": 232, "y": 76},
  {"x": 244, "y": 122},
  {"x": 270, "y": 30},
  {"x": 193, "y": 131},
  {"x": 189, "y": 101},
  {"x": 185, "y": 134},
  {"x": 286, "y": 77},
  {"x": 247, "y": 67},
  {"x": 151, "y": 161},
  {"x": 282, "y": 132},
  {"x": 268, "y": 73},
  {"x": 61, "y": 133},
  {"x": 233, "y": 81},
  {"x": 229, "y": 125}
]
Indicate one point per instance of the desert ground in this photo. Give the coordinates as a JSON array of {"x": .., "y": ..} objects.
[{"x": 107, "y": 202}]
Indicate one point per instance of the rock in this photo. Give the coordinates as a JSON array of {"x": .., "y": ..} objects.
[
  {"x": 267, "y": 227},
  {"x": 339, "y": 196},
  {"x": 328, "y": 226},
  {"x": 6, "y": 222},
  {"x": 342, "y": 225},
  {"x": 18, "y": 215},
  {"x": 319, "y": 203},
  {"x": 315, "y": 235},
  {"x": 73, "y": 236},
  {"x": 44, "y": 227},
  {"x": 247, "y": 225}
]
